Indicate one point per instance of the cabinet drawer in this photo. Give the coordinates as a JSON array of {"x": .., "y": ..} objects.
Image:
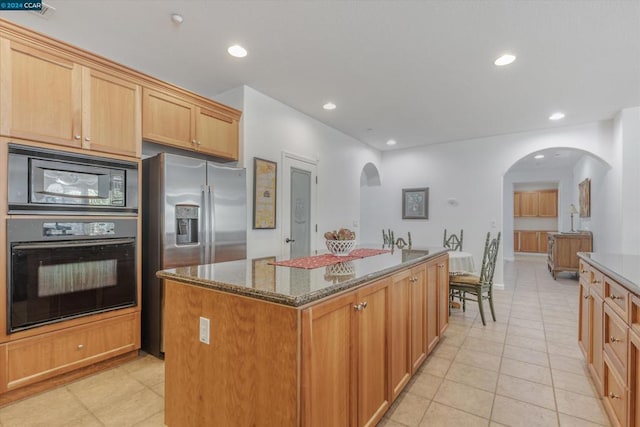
[
  {"x": 617, "y": 297},
  {"x": 44, "y": 356},
  {"x": 616, "y": 338},
  {"x": 596, "y": 280},
  {"x": 615, "y": 397}
]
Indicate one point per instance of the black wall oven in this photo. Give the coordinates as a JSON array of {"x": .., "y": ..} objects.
[{"x": 63, "y": 268}]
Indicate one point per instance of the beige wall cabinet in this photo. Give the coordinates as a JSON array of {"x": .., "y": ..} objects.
[
  {"x": 529, "y": 241},
  {"x": 47, "y": 97},
  {"x": 542, "y": 203},
  {"x": 172, "y": 119},
  {"x": 44, "y": 356}
]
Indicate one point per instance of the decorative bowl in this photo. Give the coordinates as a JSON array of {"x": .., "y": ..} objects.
[{"x": 340, "y": 247}]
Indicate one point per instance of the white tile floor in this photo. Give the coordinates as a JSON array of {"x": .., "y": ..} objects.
[{"x": 523, "y": 370}]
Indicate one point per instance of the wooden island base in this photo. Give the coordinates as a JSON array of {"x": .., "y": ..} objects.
[{"x": 340, "y": 360}]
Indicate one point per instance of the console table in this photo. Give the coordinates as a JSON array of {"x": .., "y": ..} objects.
[{"x": 562, "y": 249}]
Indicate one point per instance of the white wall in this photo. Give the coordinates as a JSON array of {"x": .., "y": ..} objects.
[
  {"x": 629, "y": 121},
  {"x": 270, "y": 127},
  {"x": 472, "y": 173}
]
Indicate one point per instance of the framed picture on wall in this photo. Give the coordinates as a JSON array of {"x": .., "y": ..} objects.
[
  {"x": 415, "y": 203},
  {"x": 585, "y": 198},
  {"x": 264, "y": 193}
]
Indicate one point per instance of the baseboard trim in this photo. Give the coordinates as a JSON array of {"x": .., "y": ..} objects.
[{"x": 498, "y": 286}]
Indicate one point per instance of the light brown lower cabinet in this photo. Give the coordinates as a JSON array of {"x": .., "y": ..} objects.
[
  {"x": 31, "y": 360},
  {"x": 609, "y": 335},
  {"x": 327, "y": 364}
]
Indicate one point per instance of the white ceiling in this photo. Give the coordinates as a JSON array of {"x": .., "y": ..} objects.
[{"x": 420, "y": 72}]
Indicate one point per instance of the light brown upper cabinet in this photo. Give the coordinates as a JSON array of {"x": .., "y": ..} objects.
[
  {"x": 542, "y": 203},
  {"x": 170, "y": 118},
  {"x": 548, "y": 203},
  {"x": 48, "y": 97}
]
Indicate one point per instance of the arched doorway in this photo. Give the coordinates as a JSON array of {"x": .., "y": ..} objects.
[
  {"x": 559, "y": 168},
  {"x": 370, "y": 196}
]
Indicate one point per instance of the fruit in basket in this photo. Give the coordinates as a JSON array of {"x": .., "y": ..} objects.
[{"x": 342, "y": 234}]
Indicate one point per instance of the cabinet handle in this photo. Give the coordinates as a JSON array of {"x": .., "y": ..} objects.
[
  {"x": 614, "y": 297},
  {"x": 596, "y": 281},
  {"x": 364, "y": 304},
  {"x": 193, "y": 141},
  {"x": 86, "y": 138},
  {"x": 199, "y": 143},
  {"x": 613, "y": 340},
  {"x": 584, "y": 271},
  {"x": 80, "y": 346},
  {"x": 77, "y": 137},
  {"x": 613, "y": 396},
  {"x": 586, "y": 297},
  {"x": 358, "y": 307}
]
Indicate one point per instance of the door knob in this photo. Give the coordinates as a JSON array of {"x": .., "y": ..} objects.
[{"x": 288, "y": 240}]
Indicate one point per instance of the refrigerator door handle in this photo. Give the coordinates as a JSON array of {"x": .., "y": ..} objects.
[
  {"x": 204, "y": 231},
  {"x": 212, "y": 227}
]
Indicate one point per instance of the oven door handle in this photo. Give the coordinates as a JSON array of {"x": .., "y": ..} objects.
[{"x": 74, "y": 244}]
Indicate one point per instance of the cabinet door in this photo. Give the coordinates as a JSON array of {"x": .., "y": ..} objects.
[
  {"x": 529, "y": 241},
  {"x": 443, "y": 294},
  {"x": 596, "y": 313},
  {"x": 548, "y": 203},
  {"x": 529, "y": 203},
  {"x": 432, "y": 306},
  {"x": 543, "y": 241},
  {"x": 168, "y": 119},
  {"x": 516, "y": 241},
  {"x": 634, "y": 379},
  {"x": 400, "y": 358},
  {"x": 40, "y": 95},
  {"x": 329, "y": 363},
  {"x": 584, "y": 320},
  {"x": 516, "y": 204},
  {"x": 111, "y": 114},
  {"x": 217, "y": 134},
  {"x": 373, "y": 386},
  {"x": 418, "y": 297}
]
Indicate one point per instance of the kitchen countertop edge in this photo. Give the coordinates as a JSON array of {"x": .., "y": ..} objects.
[
  {"x": 606, "y": 269},
  {"x": 294, "y": 301}
]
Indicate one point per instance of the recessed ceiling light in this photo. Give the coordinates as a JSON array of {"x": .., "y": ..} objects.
[
  {"x": 556, "y": 116},
  {"x": 329, "y": 106},
  {"x": 539, "y": 156},
  {"x": 177, "y": 18},
  {"x": 505, "y": 59},
  {"x": 391, "y": 142},
  {"x": 237, "y": 51}
]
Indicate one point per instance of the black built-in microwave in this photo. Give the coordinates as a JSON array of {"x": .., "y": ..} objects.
[{"x": 43, "y": 181}]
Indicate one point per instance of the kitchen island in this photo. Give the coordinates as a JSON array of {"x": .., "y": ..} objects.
[{"x": 250, "y": 343}]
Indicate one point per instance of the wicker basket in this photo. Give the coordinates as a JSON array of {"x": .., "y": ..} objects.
[
  {"x": 340, "y": 272},
  {"x": 340, "y": 247}
]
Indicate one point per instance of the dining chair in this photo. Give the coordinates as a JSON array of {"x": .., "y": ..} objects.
[
  {"x": 480, "y": 287},
  {"x": 452, "y": 242}
]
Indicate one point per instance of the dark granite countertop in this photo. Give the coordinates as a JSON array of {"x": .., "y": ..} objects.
[
  {"x": 296, "y": 286},
  {"x": 624, "y": 269}
]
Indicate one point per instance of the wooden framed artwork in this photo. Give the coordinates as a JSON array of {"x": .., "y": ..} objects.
[
  {"x": 264, "y": 193},
  {"x": 263, "y": 273},
  {"x": 415, "y": 203},
  {"x": 585, "y": 198}
]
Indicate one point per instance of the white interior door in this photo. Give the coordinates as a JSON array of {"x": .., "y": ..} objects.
[{"x": 298, "y": 206}]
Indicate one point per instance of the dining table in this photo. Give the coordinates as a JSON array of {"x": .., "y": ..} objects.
[{"x": 461, "y": 263}]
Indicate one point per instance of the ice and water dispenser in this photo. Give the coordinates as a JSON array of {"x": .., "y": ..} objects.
[{"x": 186, "y": 224}]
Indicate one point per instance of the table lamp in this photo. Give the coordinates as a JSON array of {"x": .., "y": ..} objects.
[{"x": 572, "y": 211}]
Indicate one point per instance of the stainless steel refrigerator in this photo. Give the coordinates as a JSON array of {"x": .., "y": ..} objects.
[{"x": 193, "y": 212}]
